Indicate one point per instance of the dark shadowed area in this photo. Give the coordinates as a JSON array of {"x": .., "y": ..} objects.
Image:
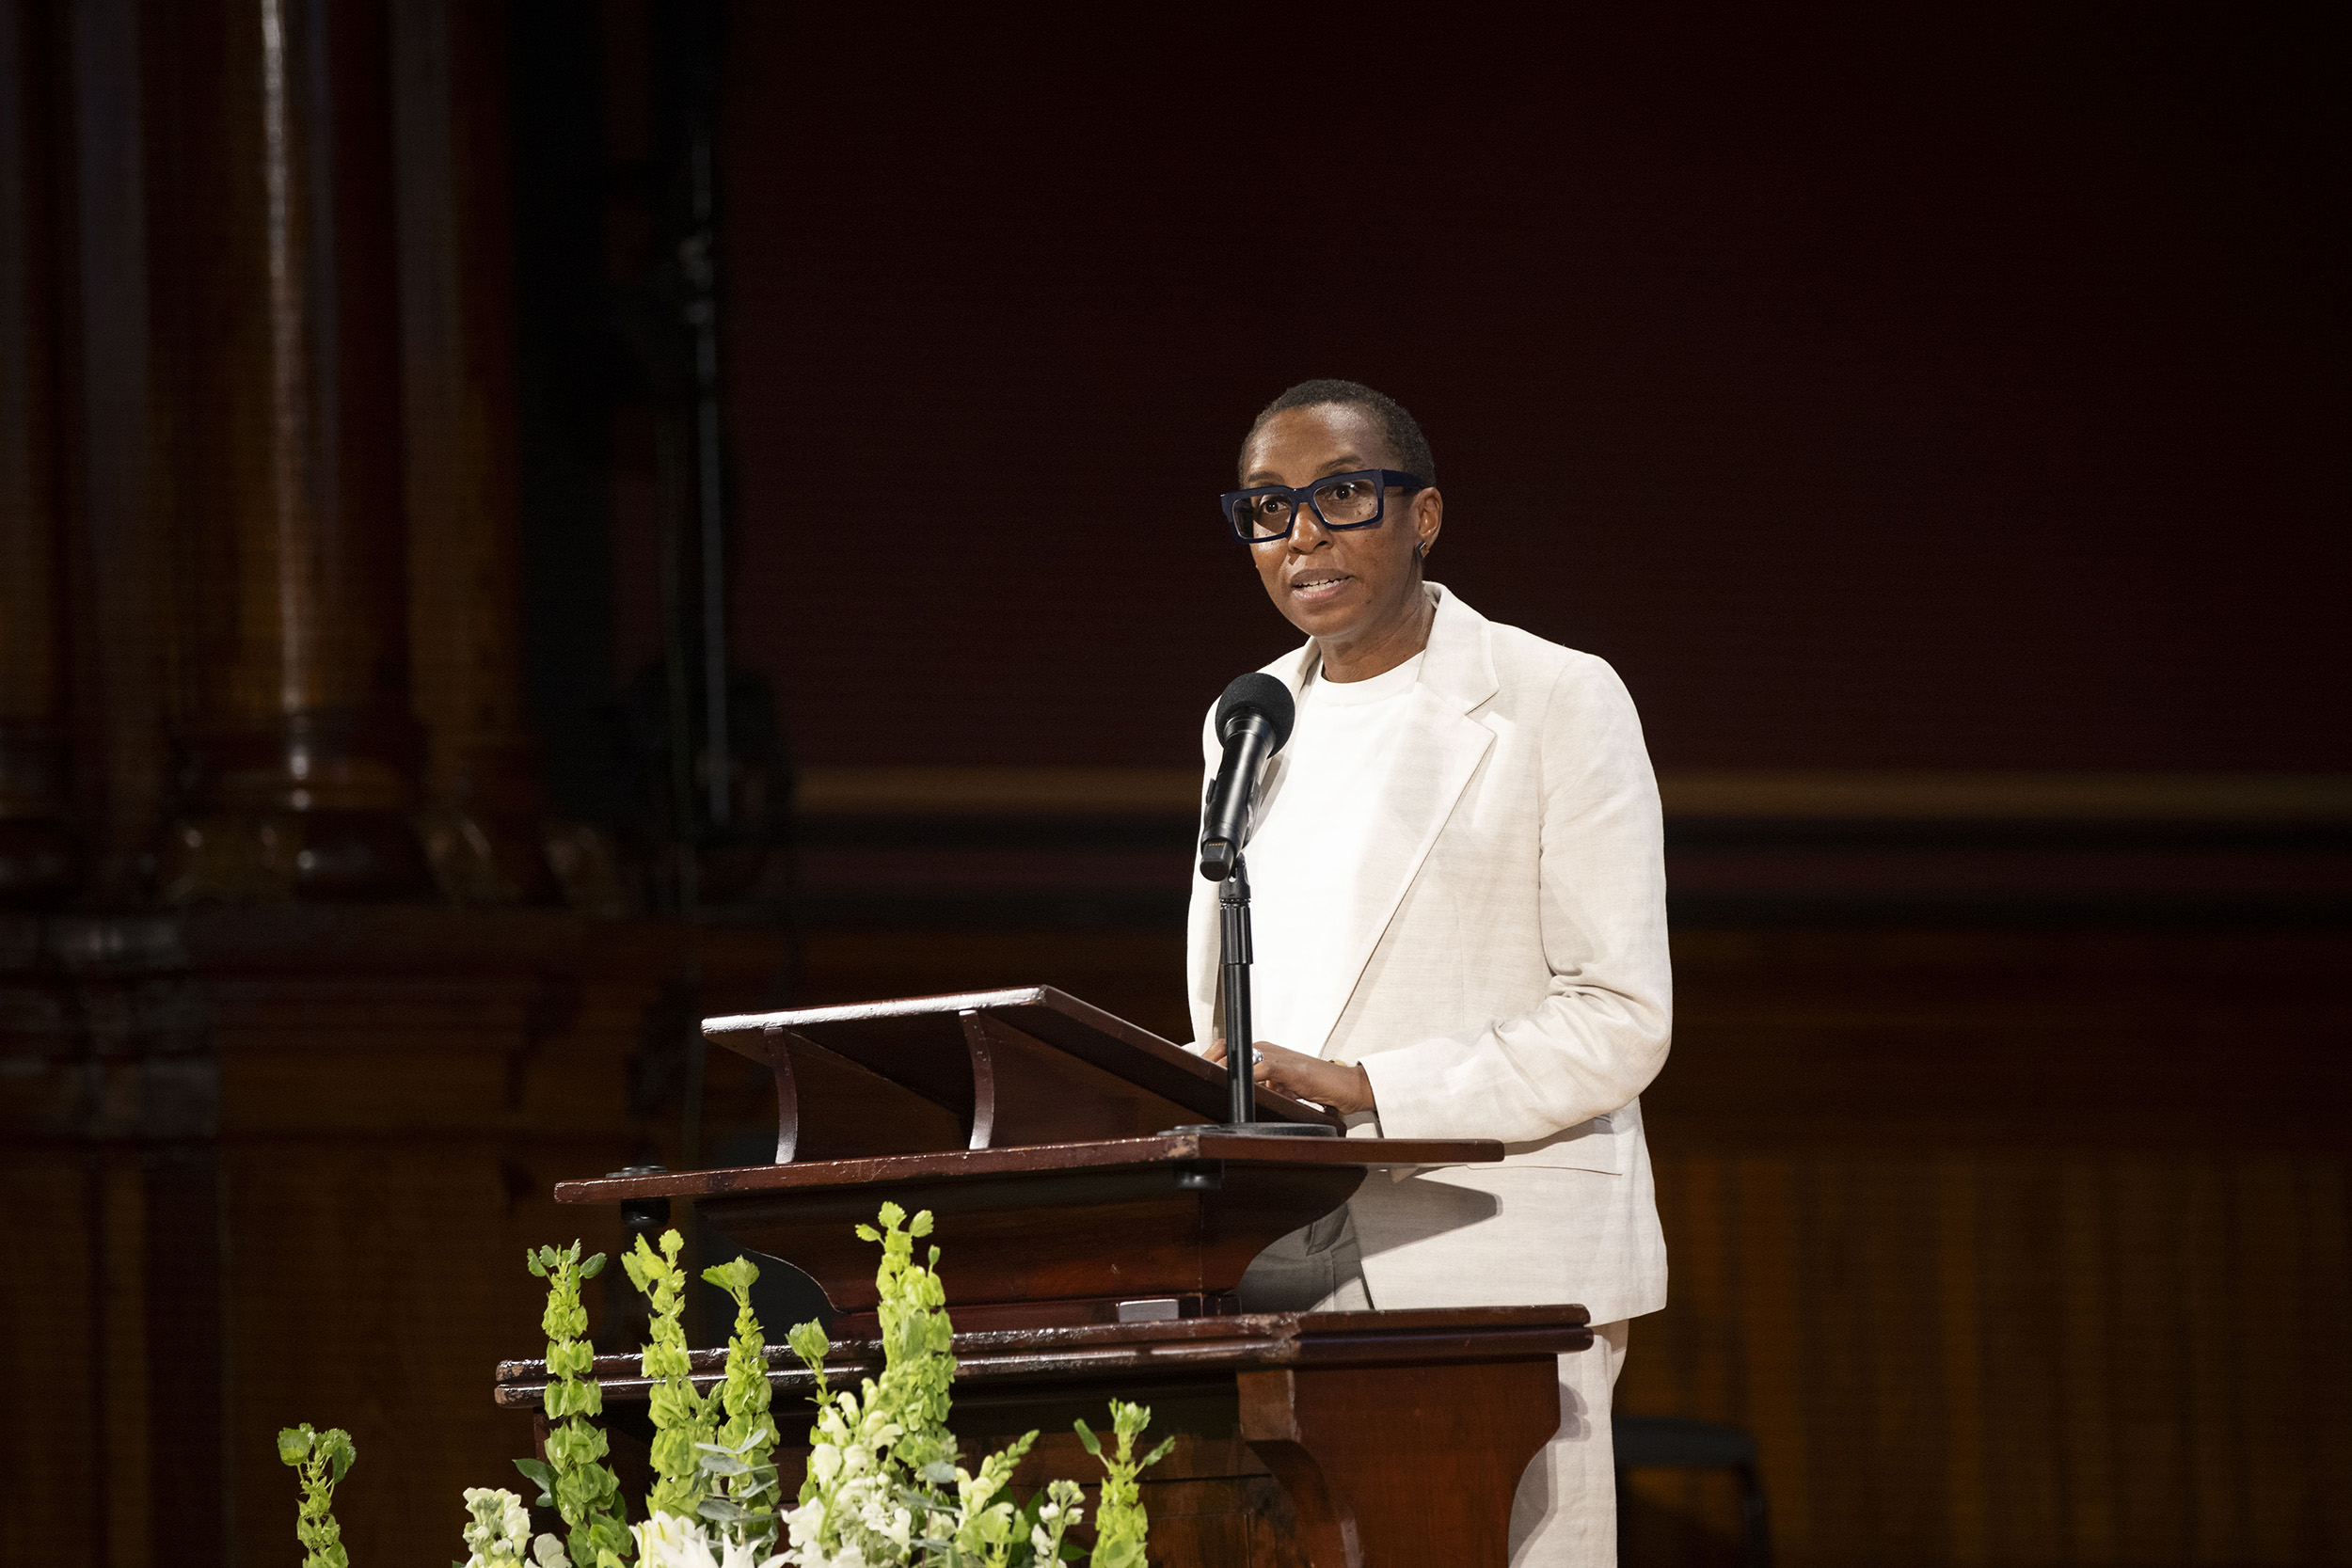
[{"x": 1875, "y": 392}]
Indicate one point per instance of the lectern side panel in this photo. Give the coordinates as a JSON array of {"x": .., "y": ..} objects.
[
  {"x": 922, "y": 1052},
  {"x": 846, "y": 1112},
  {"x": 1045, "y": 1096}
]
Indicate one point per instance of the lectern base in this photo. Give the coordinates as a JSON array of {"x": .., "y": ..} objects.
[{"x": 1303, "y": 1440}]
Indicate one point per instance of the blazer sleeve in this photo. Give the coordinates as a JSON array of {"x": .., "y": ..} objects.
[{"x": 1601, "y": 1031}]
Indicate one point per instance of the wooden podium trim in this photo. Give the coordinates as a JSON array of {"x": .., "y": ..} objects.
[
  {"x": 1157, "y": 1149},
  {"x": 1434, "y": 1337}
]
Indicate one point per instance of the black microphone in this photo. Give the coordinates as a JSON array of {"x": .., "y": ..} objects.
[{"x": 1253, "y": 720}]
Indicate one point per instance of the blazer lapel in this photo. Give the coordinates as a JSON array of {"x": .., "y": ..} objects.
[{"x": 1437, "y": 753}]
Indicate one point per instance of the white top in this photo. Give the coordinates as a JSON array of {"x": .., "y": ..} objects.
[{"x": 1305, "y": 854}]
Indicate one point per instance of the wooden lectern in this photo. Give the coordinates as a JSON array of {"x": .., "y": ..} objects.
[{"x": 1093, "y": 1251}]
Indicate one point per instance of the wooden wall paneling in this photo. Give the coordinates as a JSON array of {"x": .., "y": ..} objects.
[
  {"x": 2148, "y": 1330},
  {"x": 2266, "y": 1280},
  {"x": 2323, "y": 1361},
  {"x": 1956, "y": 1222},
  {"x": 457, "y": 408},
  {"x": 2093, "y": 1356},
  {"x": 55, "y": 1462},
  {"x": 2077, "y": 1324},
  {"x": 402, "y": 1088},
  {"x": 108, "y": 1127},
  {"x": 2028, "y": 1250},
  {"x": 1773, "y": 1327},
  {"x": 2026, "y": 1503},
  {"x": 2208, "y": 1356},
  {"x": 41, "y": 853}
]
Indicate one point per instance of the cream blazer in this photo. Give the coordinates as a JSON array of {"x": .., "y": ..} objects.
[{"x": 1508, "y": 977}]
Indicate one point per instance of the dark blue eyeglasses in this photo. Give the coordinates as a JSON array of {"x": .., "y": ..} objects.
[{"x": 1357, "y": 500}]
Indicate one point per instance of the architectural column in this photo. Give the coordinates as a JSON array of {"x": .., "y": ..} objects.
[
  {"x": 41, "y": 853},
  {"x": 274, "y": 266},
  {"x": 482, "y": 821}
]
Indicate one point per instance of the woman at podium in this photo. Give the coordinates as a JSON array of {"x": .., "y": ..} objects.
[{"x": 1457, "y": 873}]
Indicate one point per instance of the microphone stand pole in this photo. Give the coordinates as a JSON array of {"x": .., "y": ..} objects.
[
  {"x": 1241, "y": 1053},
  {"x": 1241, "y": 1047}
]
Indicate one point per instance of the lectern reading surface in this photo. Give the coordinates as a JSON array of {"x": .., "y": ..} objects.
[{"x": 983, "y": 1069}]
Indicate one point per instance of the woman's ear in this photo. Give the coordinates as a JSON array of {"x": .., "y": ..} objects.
[{"x": 1428, "y": 521}]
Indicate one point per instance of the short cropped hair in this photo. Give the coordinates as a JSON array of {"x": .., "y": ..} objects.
[{"x": 1407, "y": 446}]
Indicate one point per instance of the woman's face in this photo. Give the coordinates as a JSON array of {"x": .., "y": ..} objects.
[{"x": 1355, "y": 586}]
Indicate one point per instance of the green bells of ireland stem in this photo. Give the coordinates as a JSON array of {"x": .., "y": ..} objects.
[
  {"x": 682, "y": 1417},
  {"x": 321, "y": 1459},
  {"x": 573, "y": 1478}
]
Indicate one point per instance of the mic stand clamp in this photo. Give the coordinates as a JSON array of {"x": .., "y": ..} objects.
[{"x": 1241, "y": 1052}]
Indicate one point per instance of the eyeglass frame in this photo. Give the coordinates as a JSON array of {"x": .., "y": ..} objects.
[{"x": 1390, "y": 479}]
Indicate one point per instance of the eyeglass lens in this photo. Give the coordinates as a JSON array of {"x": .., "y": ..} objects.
[{"x": 1343, "y": 499}]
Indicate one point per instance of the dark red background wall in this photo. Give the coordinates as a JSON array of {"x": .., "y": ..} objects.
[{"x": 1872, "y": 392}]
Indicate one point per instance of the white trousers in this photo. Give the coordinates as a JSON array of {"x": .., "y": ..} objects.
[{"x": 1565, "y": 1514}]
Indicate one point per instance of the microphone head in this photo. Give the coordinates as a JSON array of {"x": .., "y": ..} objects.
[{"x": 1259, "y": 692}]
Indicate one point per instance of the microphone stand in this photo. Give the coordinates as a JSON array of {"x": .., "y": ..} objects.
[
  {"x": 1241, "y": 1050},
  {"x": 1233, "y": 954}
]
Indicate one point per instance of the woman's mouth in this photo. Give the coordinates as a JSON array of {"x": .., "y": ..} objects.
[{"x": 1314, "y": 587}]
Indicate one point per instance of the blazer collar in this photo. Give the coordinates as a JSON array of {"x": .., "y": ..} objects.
[
  {"x": 1459, "y": 666},
  {"x": 1437, "y": 756}
]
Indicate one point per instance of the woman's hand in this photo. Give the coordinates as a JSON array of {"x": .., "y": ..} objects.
[{"x": 1342, "y": 1085}]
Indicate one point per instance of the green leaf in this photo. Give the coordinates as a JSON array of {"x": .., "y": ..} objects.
[
  {"x": 1086, "y": 1435},
  {"x": 293, "y": 1443},
  {"x": 543, "y": 1474},
  {"x": 591, "y": 1268}
]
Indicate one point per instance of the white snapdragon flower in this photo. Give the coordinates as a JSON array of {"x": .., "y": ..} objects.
[
  {"x": 498, "y": 1530},
  {"x": 737, "y": 1553},
  {"x": 666, "y": 1540},
  {"x": 548, "y": 1552}
]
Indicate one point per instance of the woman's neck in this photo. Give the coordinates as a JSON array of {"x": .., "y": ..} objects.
[{"x": 1377, "y": 651}]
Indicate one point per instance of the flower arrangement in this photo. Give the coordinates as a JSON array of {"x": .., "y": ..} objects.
[{"x": 883, "y": 1488}]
